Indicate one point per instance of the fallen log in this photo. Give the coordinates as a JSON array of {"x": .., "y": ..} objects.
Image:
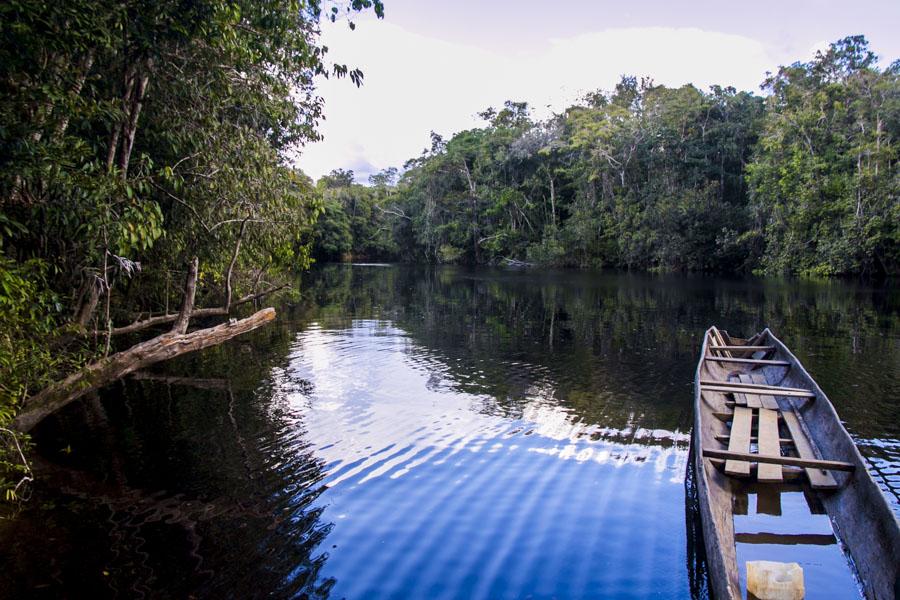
[{"x": 139, "y": 356}]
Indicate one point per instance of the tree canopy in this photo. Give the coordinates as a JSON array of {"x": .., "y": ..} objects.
[{"x": 802, "y": 179}]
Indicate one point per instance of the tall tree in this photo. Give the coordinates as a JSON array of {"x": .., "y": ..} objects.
[{"x": 824, "y": 177}]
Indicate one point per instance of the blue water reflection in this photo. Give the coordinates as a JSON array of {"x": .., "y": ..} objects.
[{"x": 433, "y": 497}]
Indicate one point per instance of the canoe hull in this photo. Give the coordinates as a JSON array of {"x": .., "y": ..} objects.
[{"x": 859, "y": 512}]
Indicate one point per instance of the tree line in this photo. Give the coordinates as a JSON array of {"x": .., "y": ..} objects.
[{"x": 802, "y": 179}]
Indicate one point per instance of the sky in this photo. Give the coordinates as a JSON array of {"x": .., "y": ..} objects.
[{"x": 432, "y": 66}]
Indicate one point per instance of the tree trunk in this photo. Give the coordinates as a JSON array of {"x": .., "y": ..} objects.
[
  {"x": 140, "y": 356},
  {"x": 552, "y": 199},
  {"x": 117, "y": 129},
  {"x": 187, "y": 306},
  {"x": 88, "y": 300},
  {"x": 473, "y": 200},
  {"x": 130, "y": 126},
  {"x": 86, "y": 63}
]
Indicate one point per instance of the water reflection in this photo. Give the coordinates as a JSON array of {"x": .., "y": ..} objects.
[
  {"x": 405, "y": 432},
  {"x": 620, "y": 350},
  {"x": 171, "y": 487}
]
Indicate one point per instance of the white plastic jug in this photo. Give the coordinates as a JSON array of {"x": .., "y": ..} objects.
[{"x": 769, "y": 580}]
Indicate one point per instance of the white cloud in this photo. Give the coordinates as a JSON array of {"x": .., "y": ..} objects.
[{"x": 414, "y": 84}]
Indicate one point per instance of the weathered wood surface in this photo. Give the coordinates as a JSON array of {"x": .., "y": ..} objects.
[
  {"x": 795, "y": 461},
  {"x": 713, "y": 486},
  {"x": 743, "y": 348},
  {"x": 754, "y": 439},
  {"x": 818, "y": 478},
  {"x": 767, "y": 426},
  {"x": 739, "y": 443},
  {"x": 741, "y": 399},
  {"x": 748, "y": 388},
  {"x": 753, "y": 400},
  {"x": 862, "y": 519},
  {"x": 721, "y": 345},
  {"x": 768, "y": 401},
  {"x": 750, "y": 361}
]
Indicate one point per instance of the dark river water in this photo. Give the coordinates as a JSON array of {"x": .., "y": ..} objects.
[{"x": 407, "y": 432}]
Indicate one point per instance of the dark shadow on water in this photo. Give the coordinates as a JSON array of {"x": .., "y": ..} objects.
[
  {"x": 698, "y": 573},
  {"x": 113, "y": 525}
]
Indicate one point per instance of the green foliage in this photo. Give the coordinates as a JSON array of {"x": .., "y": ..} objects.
[
  {"x": 644, "y": 177},
  {"x": 333, "y": 237},
  {"x": 658, "y": 178},
  {"x": 134, "y": 135},
  {"x": 358, "y": 221},
  {"x": 824, "y": 177},
  {"x": 30, "y": 315}
]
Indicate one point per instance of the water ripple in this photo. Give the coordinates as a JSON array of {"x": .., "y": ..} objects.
[{"x": 438, "y": 490}]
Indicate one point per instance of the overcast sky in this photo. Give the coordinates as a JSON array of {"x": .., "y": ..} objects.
[{"x": 434, "y": 65}]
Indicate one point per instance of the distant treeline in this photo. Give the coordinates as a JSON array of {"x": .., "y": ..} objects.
[{"x": 802, "y": 180}]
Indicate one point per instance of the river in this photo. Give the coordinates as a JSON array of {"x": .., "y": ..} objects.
[{"x": 412, "y": 432}]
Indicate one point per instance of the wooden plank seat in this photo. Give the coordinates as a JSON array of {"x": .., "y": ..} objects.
[
  {"x": 743, "y": 348},
  {"x": 768, "y": 444},
  {"x": 796, "y": 461},
  {"x": 749, "y": 361},
  {"x": 753, "y": 388},
  {"x": 769, "y": 463},
  {"x": 739, "y": 442},
  {"x": 766, "y": 400},
  {"x": 753, "y": 400},
  {"x": 767, "y": 441},
  {"x": 755, "y": 440},
  {"x": 740, "y": 398}
]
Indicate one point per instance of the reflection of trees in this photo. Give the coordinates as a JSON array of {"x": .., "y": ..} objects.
[
  {"x": 211, "y": 488},
  {"x": 614, "y": 348},
  {"x": 180, "y": 486}
]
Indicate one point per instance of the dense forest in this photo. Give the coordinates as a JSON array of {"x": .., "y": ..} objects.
[
  {"x": 802, "y": 179},
  {"x": 145, "y": 171}
]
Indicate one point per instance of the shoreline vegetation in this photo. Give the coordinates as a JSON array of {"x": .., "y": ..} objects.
[
  {"x": 146, "y": 184},
  {"x": 145, "y": 166},
  {"x": 802, "y": 179}
]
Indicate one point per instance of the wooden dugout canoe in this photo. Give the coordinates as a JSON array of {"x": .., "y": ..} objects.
[{"x": 794, "y": 430}]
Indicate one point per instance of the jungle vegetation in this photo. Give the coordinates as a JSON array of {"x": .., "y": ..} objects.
[
  {"x": 801, "y": 179},
  {"x": 145, "y": 166}
]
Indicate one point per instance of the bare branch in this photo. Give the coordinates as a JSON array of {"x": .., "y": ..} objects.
[
  {"x": 196, "y": 313},
  {"x": 234, "y": 257}
]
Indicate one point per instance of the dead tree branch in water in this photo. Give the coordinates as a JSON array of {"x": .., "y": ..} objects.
[{"x": 162, "y": 347}]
